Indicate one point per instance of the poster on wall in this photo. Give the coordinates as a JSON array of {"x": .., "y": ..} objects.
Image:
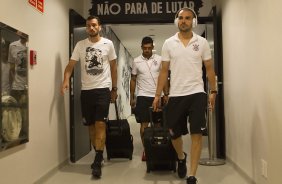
[
  {"x": 146, "y": 11},
  {"x": 37, "y": 4}
]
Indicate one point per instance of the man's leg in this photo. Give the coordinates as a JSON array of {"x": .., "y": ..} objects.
[
  {"x": 100, "y": 135},
  {"x": 92, "y": 135},
  {"x": 196, "y": 148},
  {"x": 181, "y": 164},
  {"x": 142, "y": 128},
  {"x": 100, "y": 139}
]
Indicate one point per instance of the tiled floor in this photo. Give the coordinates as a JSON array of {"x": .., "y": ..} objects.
[{"x": 123, "y": 171}]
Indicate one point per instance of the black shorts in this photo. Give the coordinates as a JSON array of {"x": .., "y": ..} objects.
[
  {"x": 95, "y": 105},
  {"x": 143, "y": 104},
  {"x": 192, "y": 106}
]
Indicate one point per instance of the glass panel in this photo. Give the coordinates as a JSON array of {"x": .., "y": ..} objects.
[{"x": 14, "y": 87}]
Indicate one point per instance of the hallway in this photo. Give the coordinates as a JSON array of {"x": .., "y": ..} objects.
[{"x": 123, "y": 171}]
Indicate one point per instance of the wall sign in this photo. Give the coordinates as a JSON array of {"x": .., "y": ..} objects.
[
  {"x": 37, "y": 4},
  {"x": 145, "y": 11}
]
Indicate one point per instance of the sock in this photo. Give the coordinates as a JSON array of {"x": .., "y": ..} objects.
[
  {"x": 182, "y": 158},
  {"x": 99, "y": 152}
]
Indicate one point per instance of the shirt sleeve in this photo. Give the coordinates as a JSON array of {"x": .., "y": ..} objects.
[
  {"x": 134, "y": 69},
  {"x": 165, "y": 52},
  {"x": 75, "y": 52},
  {"x": 206, "y": 51},
  {"x": 112, "y": 52}
]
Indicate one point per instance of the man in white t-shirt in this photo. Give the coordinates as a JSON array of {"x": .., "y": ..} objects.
[
  {"x": 184, "y": 54},
  {"x": 97, "y": 58},
  {"x": 144, "y": 75}
]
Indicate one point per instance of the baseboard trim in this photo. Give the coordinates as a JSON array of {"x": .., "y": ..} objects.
[
  {"x": 50, "y": 173},
  {"x": 241, "y": 172}
]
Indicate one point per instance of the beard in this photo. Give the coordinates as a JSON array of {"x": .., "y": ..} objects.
[
  {"x": 184, "y": 28},
  {"x": 93, "y": 34}
]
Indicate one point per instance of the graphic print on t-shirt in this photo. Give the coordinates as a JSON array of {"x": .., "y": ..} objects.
[
  {"x": 94, "y": 61},
  {"x": 21, "y": 63}
]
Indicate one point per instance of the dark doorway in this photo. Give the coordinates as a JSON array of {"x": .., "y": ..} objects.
[{"x": 79, "y": 138}]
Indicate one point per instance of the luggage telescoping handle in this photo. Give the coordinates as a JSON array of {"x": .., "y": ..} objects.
[
  {"x": 163, "y": 116},
  {"x": 117, "y": 116},
  {"x": 116, "y": 110}
]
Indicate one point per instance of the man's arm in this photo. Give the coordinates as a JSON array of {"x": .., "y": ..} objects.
[
  {"x": 113, "y": 65},
  {"x": 162, "y": 80},
  {"x": 68, "y": 71},
  {"x": 212, "y": 81},
  {"x": 132, "y": 89}
]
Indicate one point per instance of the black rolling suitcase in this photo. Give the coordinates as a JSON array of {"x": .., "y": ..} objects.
[
  {"x": 160, "y": 154},
  {"x": 119, "y": 141}
]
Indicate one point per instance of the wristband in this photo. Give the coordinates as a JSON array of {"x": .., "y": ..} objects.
[{"x": 213, "y": 92}]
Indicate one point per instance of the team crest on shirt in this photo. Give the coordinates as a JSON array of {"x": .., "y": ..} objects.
[
  {"x": 155, "y": 62},
  {"x": 196, "y": 47}
]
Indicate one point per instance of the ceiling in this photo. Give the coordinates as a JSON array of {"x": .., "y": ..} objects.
[{"x": 131, "y": 35}]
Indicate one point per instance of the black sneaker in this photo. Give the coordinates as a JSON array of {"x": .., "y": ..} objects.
[
  {"x": 102, "y": 163},
  {"x": 181, "y": 167},
  {"x": 96, "y": 166},
  {"x": 191, "y": 180}
]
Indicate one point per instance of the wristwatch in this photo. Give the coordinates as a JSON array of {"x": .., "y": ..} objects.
[
  {"x": 114, "y": 88},
  {"x": 213, "y": 91}
]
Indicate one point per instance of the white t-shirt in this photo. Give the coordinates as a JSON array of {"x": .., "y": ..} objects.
[
  {"x": 186, "y": 64},
  {"x": 147, "y": 71},
  {"x": 94, "y": 59},
  {"x": 18, "y": 56}
]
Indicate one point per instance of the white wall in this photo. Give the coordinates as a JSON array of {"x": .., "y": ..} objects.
[
  {"x": 252, "y": 83},
  {"x": 48, "y": 35},
  {"x": 252, "y": 79}
]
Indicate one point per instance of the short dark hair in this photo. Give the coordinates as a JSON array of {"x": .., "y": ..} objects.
[
  {"x": 186, "y": 9},
  {"x": 147, "y": 40},
  {"x": 94, "y": 17}
]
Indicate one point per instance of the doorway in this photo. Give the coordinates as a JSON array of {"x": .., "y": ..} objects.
[{"x": 80, "y": 143}]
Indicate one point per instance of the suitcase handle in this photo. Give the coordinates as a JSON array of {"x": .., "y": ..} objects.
[
  {"x": 151, "y": 111},
  {"x": 163, "y": 119}
]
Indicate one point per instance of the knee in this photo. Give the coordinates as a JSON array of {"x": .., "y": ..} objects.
[
  {"x": 143, "y": 126},
  {"x": 99, "y": 125}
]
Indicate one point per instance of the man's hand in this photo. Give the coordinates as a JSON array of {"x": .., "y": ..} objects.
[
  {"x": 113, "y": 96},
  {"x": 132, "y": 102},
  {"x": 65, "y": 87},
  {"x": 156, "y": 103},
  {"x": 212, "y": 98},
  {"x": 165, "y": 99}
]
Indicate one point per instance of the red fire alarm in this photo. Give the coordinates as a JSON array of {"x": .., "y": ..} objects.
[{"x": 32, "y": 56}]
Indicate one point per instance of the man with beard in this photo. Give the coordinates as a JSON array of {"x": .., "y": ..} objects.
[
  {"x": 144, "y": 75},
  {"x": 97, "y": 58},
  {"x": 184, "y": 54}
]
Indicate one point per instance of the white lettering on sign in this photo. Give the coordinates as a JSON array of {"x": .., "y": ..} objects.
[
  {"x": 136, "y": 8},
  {"x": 156, "y": 7},
  {"x": 106, "y": 9},
  {"x": 173, "y": 7}
]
